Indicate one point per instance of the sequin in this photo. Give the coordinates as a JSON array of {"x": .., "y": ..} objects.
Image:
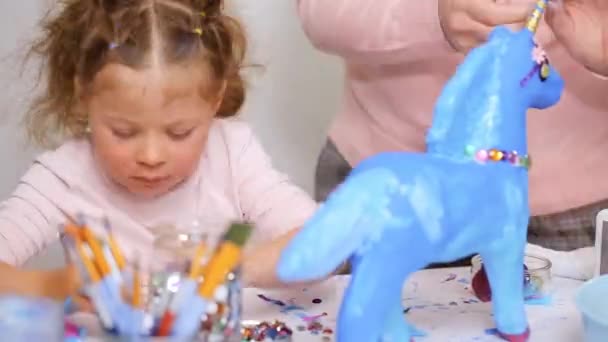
[
  {"x": 511, "y": 157},
  {"x": 544, "y": 71}
]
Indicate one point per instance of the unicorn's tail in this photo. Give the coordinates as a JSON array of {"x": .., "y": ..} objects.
[{"x": 354, "y": 214}]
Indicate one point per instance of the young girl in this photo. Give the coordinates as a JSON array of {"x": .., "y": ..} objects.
[
  {"x": 398, "y": 56},
  {"x": 143, "y": 94}
]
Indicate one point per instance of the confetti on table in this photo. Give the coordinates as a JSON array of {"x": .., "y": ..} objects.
[
  {"x": 313, "y": 318},
  {"x": 450, "y": 277},
  {"x": 275, "y": 331},
  {"x": 464, "y": 281},
  {"x": 492, "y": 331},
  {"x": 270, "y": 300}
]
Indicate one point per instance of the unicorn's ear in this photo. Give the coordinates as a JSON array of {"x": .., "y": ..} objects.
[{"x": 455, "y": 91}]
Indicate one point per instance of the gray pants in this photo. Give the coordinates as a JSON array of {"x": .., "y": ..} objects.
[{"x": 568, "y": 230}]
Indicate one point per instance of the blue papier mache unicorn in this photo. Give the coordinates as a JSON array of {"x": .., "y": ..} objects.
[{"x": 398, "y": 212}]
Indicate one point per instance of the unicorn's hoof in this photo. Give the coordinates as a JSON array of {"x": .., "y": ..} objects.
[{"x": 523, "y": 337}]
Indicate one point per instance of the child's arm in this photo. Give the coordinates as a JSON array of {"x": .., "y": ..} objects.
[
  {"x": 28, "y": 222},
  {"x": 30, "y": 217},
  {"x": 270, "y": 201},
  {"x": 577, "y": 264},
  {"x": 260, "y": 264},
  {"x": 55, "y": 284}
]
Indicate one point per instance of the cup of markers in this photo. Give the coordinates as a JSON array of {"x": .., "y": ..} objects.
[{"x": 195, "y": 301}]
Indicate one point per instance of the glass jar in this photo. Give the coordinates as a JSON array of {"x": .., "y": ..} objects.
[
  {"x": 174, "y": 250},
  {"x": 537, "y": 276}
]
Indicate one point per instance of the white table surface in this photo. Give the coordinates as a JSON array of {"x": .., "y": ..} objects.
[{"x": 441, "y": 308}]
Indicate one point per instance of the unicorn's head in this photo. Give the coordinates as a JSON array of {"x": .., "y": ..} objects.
[
  {"x": 486, "y": 101},
  {"x": 525, "y": 70}
]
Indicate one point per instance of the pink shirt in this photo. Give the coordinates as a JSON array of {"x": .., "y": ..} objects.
[
  {"x": 234, "y": 181},
  {"x": 397, "y": 62}
]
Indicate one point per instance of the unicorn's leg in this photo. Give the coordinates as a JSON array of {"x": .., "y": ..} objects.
[
  {"x": 503, "y": 264},
  {"x": 371, "y": 309},
  {"x": 365, "y": 306},
  {"x": 397, "y": 329}
]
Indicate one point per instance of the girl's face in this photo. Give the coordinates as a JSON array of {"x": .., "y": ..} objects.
[{"x": 148, "y": 127}]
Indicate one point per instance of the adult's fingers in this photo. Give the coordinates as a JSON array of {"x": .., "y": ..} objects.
[{"x": 491, "y": 13}]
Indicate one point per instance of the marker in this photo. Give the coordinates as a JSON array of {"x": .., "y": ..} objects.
[
  {"x": 186, "y": 290},
  {"x": 96, "y": 290},
  {"x": 116, "y": 252}
]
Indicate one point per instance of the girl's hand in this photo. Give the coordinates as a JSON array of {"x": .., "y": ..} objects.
[
  {"x": 581, "y": 26},
  {"x": 55, "y": 284},
  {"x": 467, "y": 23}
]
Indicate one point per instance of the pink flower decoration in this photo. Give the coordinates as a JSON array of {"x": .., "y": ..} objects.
[{"x": 539, "y": 55}]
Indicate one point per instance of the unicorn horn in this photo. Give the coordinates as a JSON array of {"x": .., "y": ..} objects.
[{"x": 532, "y": 23}]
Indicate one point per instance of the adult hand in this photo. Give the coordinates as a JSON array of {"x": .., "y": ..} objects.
[
  {"x": 581, "y": 26},
  {"x": 467, "y": 23}
]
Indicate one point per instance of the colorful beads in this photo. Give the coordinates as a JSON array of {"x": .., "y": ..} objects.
[
  {"x": 265, "y": 331},
  {"x": 496, "y": 155},
  {"x": 481, "y": 156}
]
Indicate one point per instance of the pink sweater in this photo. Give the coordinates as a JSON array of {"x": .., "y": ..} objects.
[
  {"x": 397, "y": 62},
  {"x": 234, "y": 181}
]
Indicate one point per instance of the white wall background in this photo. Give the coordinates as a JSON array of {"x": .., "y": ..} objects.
[{"x": 290, "y": 103}]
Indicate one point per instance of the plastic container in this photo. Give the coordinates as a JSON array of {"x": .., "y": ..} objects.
[
  {"x": 592, "y": 302},
  {"x": 25, "y": 319}
]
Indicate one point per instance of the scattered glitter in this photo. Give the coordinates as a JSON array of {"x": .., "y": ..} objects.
[
  {"x": 270, "y": 300},
  {"x": 492, "y": 331},
  {"x": 289, "y": 308},
  {"x": 263, "y": 331},
  {"x": 313, "y": 318},
  {"x": 450, "y": 277}
]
